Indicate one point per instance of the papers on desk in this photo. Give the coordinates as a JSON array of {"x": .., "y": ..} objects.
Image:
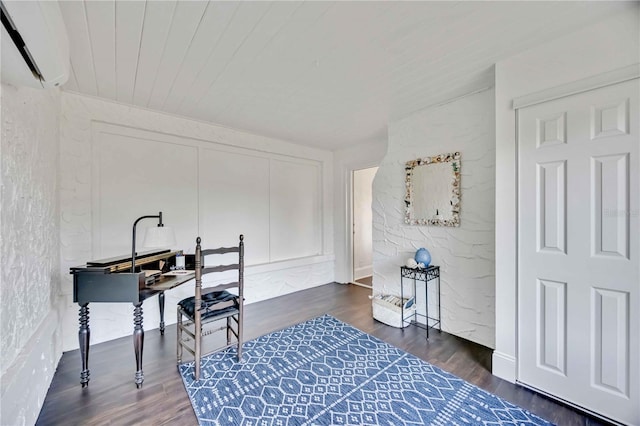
[
  {"x": 151, "y": 275},
  {"x": 177, "y": 273}
]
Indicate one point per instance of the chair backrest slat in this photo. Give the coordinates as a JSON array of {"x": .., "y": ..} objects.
[
  {"x": 220, "y": 287},
  {"x": 202, "y": 270},
  {"x": 218, "y": 307},
  {"x": 219, "y": 268},
  {"x": 221, "y": 250}
]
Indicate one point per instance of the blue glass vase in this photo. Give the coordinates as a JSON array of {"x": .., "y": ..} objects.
[{"x": 423, "y": 256}]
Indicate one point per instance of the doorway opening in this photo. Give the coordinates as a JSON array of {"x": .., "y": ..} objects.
[{"x": 362, "y": 226}]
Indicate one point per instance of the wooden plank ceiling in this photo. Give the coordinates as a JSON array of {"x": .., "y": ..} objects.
[{"x": 324, "y": 74}]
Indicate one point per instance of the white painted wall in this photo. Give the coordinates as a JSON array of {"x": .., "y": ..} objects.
[
  {"x": 607, "y": 45},
  {"x": 120, "y": 162},
  {"x": 362, "y": 222},
  {"x": 30, "y": 336},
  {"x": 356, "y": 157},
  {"x": 465, "y": 254}
]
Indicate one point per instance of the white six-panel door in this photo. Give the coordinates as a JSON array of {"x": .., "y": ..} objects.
[{"x": 579, "y": 254}]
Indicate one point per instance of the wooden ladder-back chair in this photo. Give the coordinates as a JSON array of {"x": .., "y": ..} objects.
[{"x": 213, "y": 304}]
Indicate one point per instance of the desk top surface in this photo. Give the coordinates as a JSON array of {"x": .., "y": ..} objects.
[
  {"x": 122, "y": 263},
  {"x": 167, "y": 282}
]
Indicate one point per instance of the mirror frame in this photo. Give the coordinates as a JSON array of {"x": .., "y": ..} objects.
[{"x": 455, "y": 159}]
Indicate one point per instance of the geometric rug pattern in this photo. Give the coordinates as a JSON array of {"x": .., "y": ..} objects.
[{"x": 326, "y": 372}]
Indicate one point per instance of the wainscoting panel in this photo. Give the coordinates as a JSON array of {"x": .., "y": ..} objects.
[
  {"x": 234, "y": 198},
  {"x": 135, "y": 174},
  {"x": 295, "y": 220}
]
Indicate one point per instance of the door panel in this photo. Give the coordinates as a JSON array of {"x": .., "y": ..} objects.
[
  {"x": 552, "y": 206},
  {"x": 552, "y": 325},
  {"x": 610, "y": 313},
  {"x": 610, "y": 181},
  {"x": 579, "y": 257}
]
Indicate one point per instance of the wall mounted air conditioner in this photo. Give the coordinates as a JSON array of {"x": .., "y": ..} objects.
[{"x": 35, "y": 46}]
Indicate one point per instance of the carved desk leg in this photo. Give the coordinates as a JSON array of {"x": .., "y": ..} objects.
[
  {"x": 138, "y": 342},
  {"x": 83, "y": 337},
  {"x": 161, "y": 302}
]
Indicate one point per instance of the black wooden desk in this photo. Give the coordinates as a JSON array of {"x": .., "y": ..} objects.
[
  {"x": 108, "y": 283},
  {"x": 426, "y": 276}
]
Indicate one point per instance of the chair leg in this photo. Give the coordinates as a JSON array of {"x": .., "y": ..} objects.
[
  {"x": 240, "y": 336},
  {"x": 198, "y": 350},
  {"x": 228, "y": 331},
  {"x": 179, "y": 338}
]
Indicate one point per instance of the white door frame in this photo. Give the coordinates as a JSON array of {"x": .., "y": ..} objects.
[
  {"x": 352, "y": 223},
  {"x": 349, "y": 212}
]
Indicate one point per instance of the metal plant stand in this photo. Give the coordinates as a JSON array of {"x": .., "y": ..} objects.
[{"x": 426, "y": 276}]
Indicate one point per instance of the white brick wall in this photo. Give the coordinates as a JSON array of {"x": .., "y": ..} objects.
[
  {"x": 30, "y": 344},
  {"x": 465, "y": 254}
]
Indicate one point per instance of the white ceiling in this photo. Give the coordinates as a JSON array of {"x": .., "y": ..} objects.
[{"x": 324, "y": 74}]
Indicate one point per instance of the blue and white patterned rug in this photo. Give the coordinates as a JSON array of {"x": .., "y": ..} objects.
[{"x": 325, "y": 372}]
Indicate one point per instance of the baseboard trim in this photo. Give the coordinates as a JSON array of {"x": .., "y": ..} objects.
[
  {"x": 363, "y": 271},
  {"x": 361, "y": 285},
  {"x": 504, "y": 366},
  {"x": 26, "y": 382}
]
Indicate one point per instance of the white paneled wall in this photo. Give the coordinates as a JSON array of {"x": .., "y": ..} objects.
[
  {"x": 203, "y": 189},
  {"x": 120, "y": 162},
  {"x": 136, "y": 173},
  {"x": 465, "y": 254},
  {"x": 294, "y": 209},
  {"x": 234, "y": 189}
]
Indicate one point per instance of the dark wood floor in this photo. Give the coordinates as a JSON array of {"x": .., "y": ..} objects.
[
  {"x": 112, "y": 398},
  {"x": 365, "y": 280}
]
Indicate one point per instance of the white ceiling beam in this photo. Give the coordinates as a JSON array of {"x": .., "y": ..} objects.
[
  {"x": 157, "y": 22},
  {"x": 186, "y": 21},
  {"x": 129, "y": 24},
  {"x": 101, "y": 20},
  {"x": 214, "y": 23},
  {"x": 75, "y": 19}
]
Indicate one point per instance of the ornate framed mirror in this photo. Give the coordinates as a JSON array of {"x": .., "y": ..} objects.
[{"x": 433, "y": 190}]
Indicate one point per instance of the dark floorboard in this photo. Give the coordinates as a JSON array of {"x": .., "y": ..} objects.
[
  {"x": 365, "y": 280},
  {"x": 112, "y": 398}
]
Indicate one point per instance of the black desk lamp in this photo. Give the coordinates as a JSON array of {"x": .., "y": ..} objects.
[{"x": 161, "y": 236}]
